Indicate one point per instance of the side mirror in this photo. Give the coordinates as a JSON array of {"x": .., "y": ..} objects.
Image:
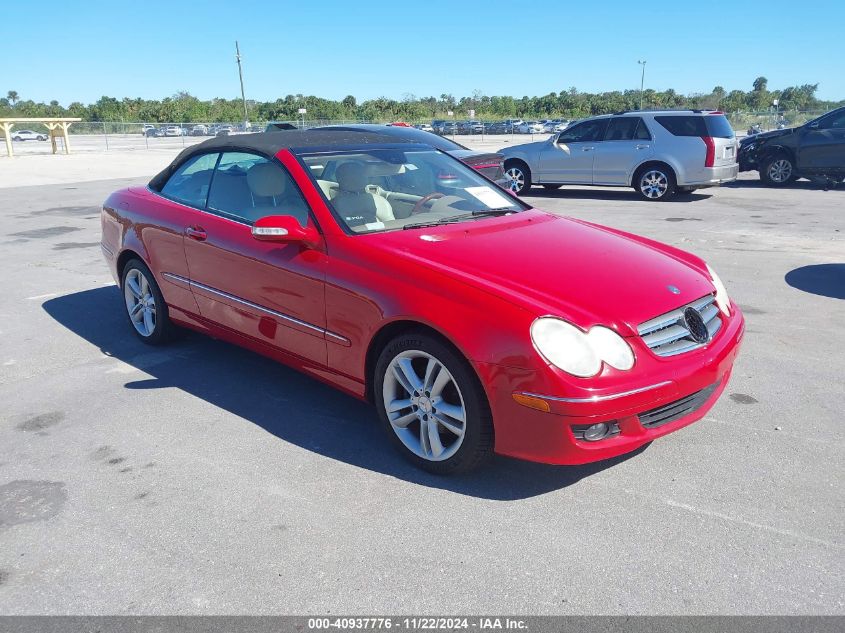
[{"x": 284, "y": 228}]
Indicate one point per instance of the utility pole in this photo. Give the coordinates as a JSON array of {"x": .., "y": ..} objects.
[
  {"x": 642, "y": 81},
  {"x": 241, "y": 76}
]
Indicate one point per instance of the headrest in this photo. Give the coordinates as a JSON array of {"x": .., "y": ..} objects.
[
  {"x": 351, "y": 176},
  {"x": 266, "y": 180}
]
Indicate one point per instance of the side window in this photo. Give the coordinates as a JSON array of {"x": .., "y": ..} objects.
[
  {"x": 247, "y": 187},
  {"x": 642, "y": 133},
  {"x": 585, "y": 132},
  {"x": 189, "y": 184},
  {"x": 683, "y": 125},
  {"x": 625, "y": 128},
  {"x": 833, "y": 122}
]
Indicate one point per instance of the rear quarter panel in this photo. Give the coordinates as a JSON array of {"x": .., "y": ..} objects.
[{"x": 136, "y": 220}]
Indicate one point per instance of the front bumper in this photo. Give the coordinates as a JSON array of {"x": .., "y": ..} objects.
[{"x": 548, "y": 437}]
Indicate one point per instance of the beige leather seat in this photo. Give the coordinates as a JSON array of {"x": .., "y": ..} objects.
[
  {"x": 353, "y": 202},
  {"x": 273, "y": 195}
]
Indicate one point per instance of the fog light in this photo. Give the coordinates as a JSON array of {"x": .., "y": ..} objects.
[{"x": 596, "y": 432}]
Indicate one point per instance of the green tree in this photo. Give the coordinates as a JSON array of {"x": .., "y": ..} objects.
[{"x": 12, "y": 96}]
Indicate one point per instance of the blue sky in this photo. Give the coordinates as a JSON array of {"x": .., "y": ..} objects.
[{"x": 331, "y": 48}]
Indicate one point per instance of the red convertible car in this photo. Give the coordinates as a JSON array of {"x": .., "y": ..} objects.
[{"x": 474, "y": 323}]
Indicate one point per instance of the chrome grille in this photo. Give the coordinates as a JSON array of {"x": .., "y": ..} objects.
[{"x": 668, "y": 335}]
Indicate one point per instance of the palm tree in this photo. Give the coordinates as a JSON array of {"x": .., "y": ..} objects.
[{"x": 12, "y": 96}]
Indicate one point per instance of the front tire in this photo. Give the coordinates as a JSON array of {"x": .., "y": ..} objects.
[
  {"x": 519, "y": 177},
  {"x": 144, "y": 304},
  {"x": 655, "y": 183},
  {"x": 432, "y": 405},
  {"x": 777, "y": 171}
]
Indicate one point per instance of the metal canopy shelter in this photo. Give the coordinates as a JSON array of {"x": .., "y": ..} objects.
[{"x": 57, "y": 127}]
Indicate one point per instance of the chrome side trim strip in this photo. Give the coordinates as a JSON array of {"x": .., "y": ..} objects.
[
  {"x": 278, "y": 315},
  {"x": 611, "y": 396}
]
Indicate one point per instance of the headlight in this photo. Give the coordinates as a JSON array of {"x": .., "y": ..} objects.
[
  {"x": 576, "y": 352},
  {"x": 722, "y": 299}
]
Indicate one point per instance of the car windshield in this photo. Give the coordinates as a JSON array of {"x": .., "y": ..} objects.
[{"x": 389, "y": 189}]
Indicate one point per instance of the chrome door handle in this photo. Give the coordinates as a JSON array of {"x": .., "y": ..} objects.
[
  {"x": 587, "y": 149},
  {"x": 643, "y": 146},
  {"x": 196, "y": 233}
]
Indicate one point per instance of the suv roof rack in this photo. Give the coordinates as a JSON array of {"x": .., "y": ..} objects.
[{"x": 696, "y": 111}]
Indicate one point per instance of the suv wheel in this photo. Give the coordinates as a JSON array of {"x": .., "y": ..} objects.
[
  {"x": 655, "y": 183},
  {"x": 777, "y": 171},
  {"x": 519, "y": 177}
]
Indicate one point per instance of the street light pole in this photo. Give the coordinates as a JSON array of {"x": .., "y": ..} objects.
[
  {"x": 642, "y": 81},
  {"x": 241, "y": 76}
]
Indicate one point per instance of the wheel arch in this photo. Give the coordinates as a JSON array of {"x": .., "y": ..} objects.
[
  {"x": 390, "y": 330},
  {"x": 124, "y": 257},
  {"x": 774, "y": 150},
  {"x": 652, "y": 163}
]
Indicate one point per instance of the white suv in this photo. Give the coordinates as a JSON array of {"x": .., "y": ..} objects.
[{"x": 658, "y": 153}]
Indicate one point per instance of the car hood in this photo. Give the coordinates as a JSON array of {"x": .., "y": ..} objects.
[
  {"x": 549, "y": 264},
  {"x": 523, "y": 148},
  {"x": 768, "y": 135}
]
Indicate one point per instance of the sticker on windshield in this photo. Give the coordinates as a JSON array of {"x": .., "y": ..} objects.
[
  {"x": 489, "y": 197},
  {"x": 374, "y": 226}
]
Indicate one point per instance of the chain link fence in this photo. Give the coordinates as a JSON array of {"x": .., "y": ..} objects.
[{"x": 121, "y": 136}]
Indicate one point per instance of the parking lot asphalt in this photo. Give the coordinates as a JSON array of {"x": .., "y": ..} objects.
[{"x": 201, "y": 478}]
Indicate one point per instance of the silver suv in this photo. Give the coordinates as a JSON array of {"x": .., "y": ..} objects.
[{"x": 658, "y": 153}]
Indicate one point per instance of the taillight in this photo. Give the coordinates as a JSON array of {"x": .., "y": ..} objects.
[{"x": 710, "y": 144}]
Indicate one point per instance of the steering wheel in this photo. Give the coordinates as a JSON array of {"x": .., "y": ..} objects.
[{"x": 418, "y": 207}]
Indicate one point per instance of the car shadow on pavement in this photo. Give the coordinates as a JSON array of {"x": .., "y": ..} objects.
[
  {"x": 292, "y": 406},
  {"x": 620, "y": 195},
  {"x": 826, "y": 280},
  {"x": 812, "y": 185}
]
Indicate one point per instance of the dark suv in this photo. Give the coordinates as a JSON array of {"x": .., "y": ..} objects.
[{"x": 813, "y": 150}]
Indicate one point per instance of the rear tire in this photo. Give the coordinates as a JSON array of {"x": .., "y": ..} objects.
[
  {"x": 655, "y": 183},
  {"x": 777, "y": 170},
  {"x": 432, "y": 405},
  {"x": 519, "y": 177},
  {"x": 144, "y": 304}
]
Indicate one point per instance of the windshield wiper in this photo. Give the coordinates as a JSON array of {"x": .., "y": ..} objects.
[{"x": 461, "y": 217}]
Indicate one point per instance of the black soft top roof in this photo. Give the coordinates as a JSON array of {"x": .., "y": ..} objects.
[{"x": 270, "y": 143}]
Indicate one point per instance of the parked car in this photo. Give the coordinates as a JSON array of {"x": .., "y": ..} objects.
[
  {"x": 470, "y": 127},
  {"x": 199, "y": 130},
  {"x": 425, "y": 127},
  {"x": 446, "y": 127},
  {"x": 173, "y": 130},
  {"x": 658, "y": 153},
  {"x": 530, "y": 127},
  {"x": 444, "y": 307},
  {"x": 28, "y": 135},
  {"x": 275, "y": 126},
  {"x": 148, "y": 129},
  {"x": 489, "y": 164},
  {"x": 814, "y": 150},
  {"x": 225, "y": 130},
  {"x": 555, "y": 125}
]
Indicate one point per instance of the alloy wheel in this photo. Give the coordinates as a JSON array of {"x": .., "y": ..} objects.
[
  {"x": 780, "y": 170},
  {"x": 654, "y": 184},
  {"x": 424, "y": 405},
  {"x": 516, "y": 179},
  {"x": 140, "y": 302}
]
